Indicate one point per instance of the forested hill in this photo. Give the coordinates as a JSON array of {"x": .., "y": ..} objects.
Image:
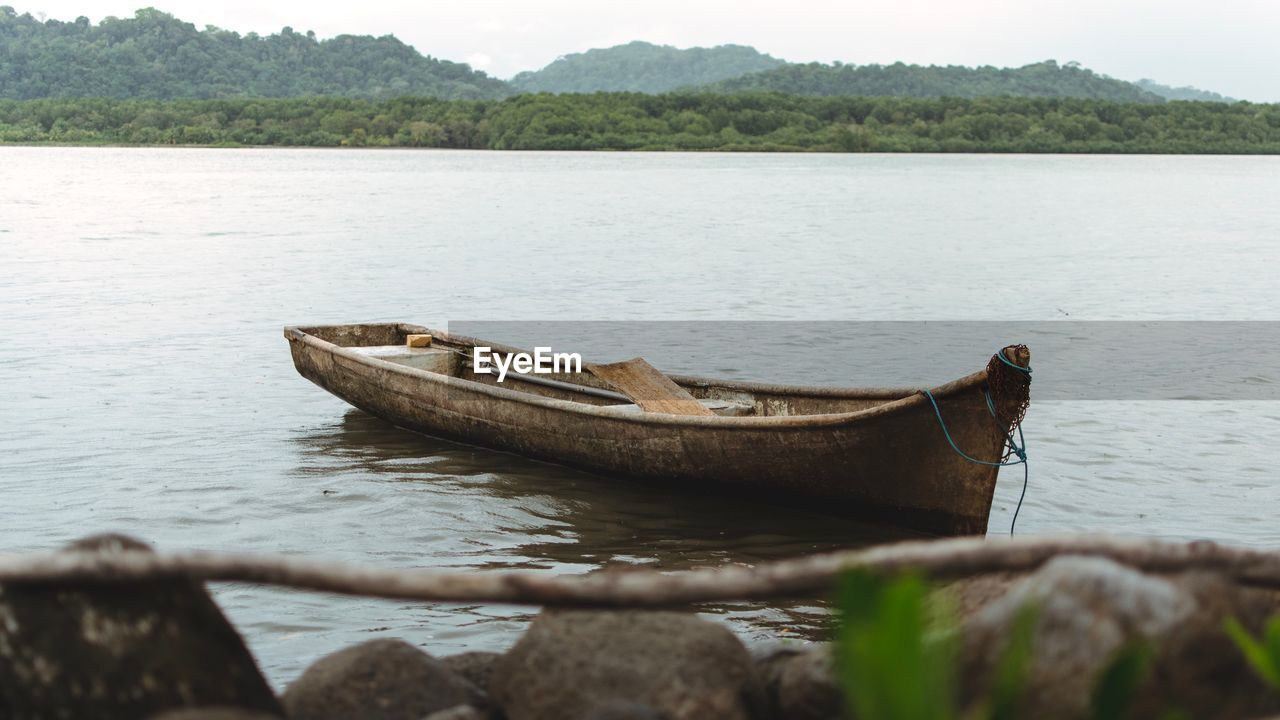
[
  {"x": 1046, "y": 79},
  {"x": 1182, "y": 93},
  {"x": 155, "y": 55},
  {"x": 643, "y": 67}
]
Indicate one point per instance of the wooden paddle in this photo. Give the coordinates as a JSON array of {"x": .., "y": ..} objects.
[{"x": 648, "y": 388}]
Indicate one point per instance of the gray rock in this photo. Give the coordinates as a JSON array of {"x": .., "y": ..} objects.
[
  {"x": 214, "y": 713},
  {"x": 806, "y": 687},
  {"x": 766, "y": 654},
  {"x": 121, "y": 649},
  {"x": 380, "y": 679},
  {"x": 805, "y": 676},
  {"x": 460, "y": 712},
  {"x": 966, "y": 597},
  {"x": 624, "y": 710},
  {"x": 1088, "y": 609},
  {"x": 475, "y": 666},
  {"x": 570, "y": 663},
  {"x": 1198, "y": 668}
]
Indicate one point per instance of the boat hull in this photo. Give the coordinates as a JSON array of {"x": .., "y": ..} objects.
[{"x": 890, "y": 464}]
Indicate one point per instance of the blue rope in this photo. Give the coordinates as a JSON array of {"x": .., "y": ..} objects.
[
  {"x": 1026, "y": 475},
  {"x": 1016, "y": 448}
]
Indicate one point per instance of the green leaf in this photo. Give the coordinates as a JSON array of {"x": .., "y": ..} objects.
[
  {"x": 889, "y": 666},
  {"x": 1013, "y": 667},
  {"x": 1272, "y": 634},
  {"x": 1264, "y": 659},
  {"x": 1117, "y": 683}
]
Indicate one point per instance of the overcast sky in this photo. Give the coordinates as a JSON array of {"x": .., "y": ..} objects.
[{"x": 1228, "y": 46}]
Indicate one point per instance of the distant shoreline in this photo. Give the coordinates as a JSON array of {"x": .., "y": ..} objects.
[
  {"x": 398, "y": 148},
  {"x": 674, "y": 122}
]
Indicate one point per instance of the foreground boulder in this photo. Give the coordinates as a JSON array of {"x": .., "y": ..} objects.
[
  {"x": 121, "y": 649},
  {"x": 1089, "y": 609},
  {"x": 214, "y": 713},
  {"x": 625, "y": 710},
  {"x": 460, "y": 712},
  {"x": 799, "y": 681},
  {"x": 964, "y": 598},
  {"x": 770, "y": 658},
  {"x": 806, "y": 687},
  {"x": 380, "y": 679},
  {"x": 476, "y": 666},
  {"x": 573, "y": 665}
]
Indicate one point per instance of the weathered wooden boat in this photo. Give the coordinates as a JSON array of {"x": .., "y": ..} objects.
[{"x": 889, "y": 455}]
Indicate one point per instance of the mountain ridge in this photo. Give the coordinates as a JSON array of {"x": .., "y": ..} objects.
[
  {"x": 155, "y": 55},
  {"x": 1185, "y": 92},
  {"x": 640, "y": 66},
  {"x": 1042, "y": 79}
]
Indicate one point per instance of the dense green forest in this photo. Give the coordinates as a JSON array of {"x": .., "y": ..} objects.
[
  {"x": 1046, "y": 79},
  {"x": 1185, "y": 92},
  {"x": 676, "y": 121},
  {"x": 154, "y": 79},
  {"x": 155, "y": 55},
  {"x": 643, "y": 67}
]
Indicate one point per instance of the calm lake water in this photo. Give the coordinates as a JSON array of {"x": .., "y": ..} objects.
[{"x": 145, "y": 387}]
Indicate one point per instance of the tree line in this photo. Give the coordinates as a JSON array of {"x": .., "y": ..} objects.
[{"x": 675, "y": 121}]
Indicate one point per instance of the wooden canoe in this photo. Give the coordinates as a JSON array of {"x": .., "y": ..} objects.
[{"x": 876, "y": 454}]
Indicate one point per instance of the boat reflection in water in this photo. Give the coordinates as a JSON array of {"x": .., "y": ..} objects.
[{"x": 448, "y": 505}]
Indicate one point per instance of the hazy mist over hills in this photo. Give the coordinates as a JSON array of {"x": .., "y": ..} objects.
[{"x": 155, "y": 55}]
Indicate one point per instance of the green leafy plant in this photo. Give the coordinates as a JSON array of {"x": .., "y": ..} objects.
[
  {"x": 893, "y": 666},
  {"x": 1012, "y": 669},
  {"x": 1263, "y": 655},
  {"x": 1116, "y": 686},
  {"x": 889, "y": 668}
]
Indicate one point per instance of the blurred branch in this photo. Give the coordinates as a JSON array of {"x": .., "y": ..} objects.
[{"x": 805, "y": 576}]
